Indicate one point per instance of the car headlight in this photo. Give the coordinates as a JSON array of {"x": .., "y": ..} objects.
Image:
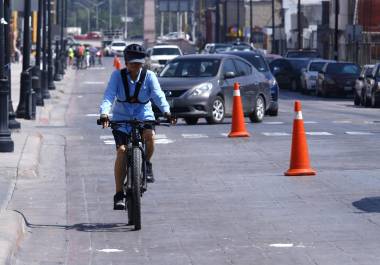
[
  {"x": 202, "y": 89},
  {"x": 272, "y": 82}
]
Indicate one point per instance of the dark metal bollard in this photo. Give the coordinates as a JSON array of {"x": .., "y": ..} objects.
[
  {"x": 27, "y": 105},
  {"x": 6, "y": 143},
  {"x": 57, "y": 63},
  {"x": 36, "y": 85}
]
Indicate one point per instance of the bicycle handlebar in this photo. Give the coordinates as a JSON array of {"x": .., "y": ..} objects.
[{"x": 136, "y": 122}]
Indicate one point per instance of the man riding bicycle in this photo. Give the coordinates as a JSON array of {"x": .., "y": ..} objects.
[{"x": 140, "y": 86}]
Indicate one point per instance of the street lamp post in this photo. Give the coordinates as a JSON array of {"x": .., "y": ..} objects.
[
  {"x": 37, "y": 67},
  {"x": 6, "y": 143},
  {"x": 88, "y": 13},
  {"x": 300, "y": 29},
  {"x": 274, "y": 48},
  {"x": 27, "y": 105},
  {"x": 13, "y": 124},
  {"x": 51, "y": 85},
  {"x": 238, "y": 18},
  {"x": 44, "y": 79},
  {"x": 57, "y": 59}
]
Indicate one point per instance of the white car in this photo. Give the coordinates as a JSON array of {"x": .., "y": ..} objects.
[
  {"x": 310, "y": 74},
  {"x": 159, "y": 55},
  {"x": 117, "y": 47}
]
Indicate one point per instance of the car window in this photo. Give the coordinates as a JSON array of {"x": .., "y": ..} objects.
[
  {"x": 228, "y": 66},
  {"x": 191, "y": 68},
  {"x": 316, "y": 66},
  {"x": 165, "y": 51},
  {"x": 243, "y": 68},
  {"x": 339, "y": 68},
  {"x": 368, "y": 71}
]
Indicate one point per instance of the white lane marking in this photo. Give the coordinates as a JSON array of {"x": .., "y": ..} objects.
[
  {"x": 105, "y": 137},
  {"x": 194, "y": 135},
  {"x": 80, "y": 96},
  {"x": 359, "y": 133},
  {"x": 163, "y": 141},
  {"x": 342, "y": 122},
  {"x": 310, "y": 122},
  {"x": 93, "y": 83},
  {"x": 224, "y": 134},
  {"x": 92, "y": 115},
  {"x": 96, "y": 68},
  {"x": 110, "y": 142},
  {"x": 318, "y": 133},
  {"x": 279, "y": 245},
  {"x": 275, "y": 134},
  {"x": 273, "y": 122},
  {"x": 110, "y": 250},
  {"x": 160, "y": 136}
]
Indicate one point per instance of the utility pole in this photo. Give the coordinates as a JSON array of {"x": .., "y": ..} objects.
[
  {"x": 299, "y": 26},
  {"x": 126, "y": 20},
  {"x": 250, "y": 22},
  {"x": 217, "y": 21},
  {"x": 110, "y": 14},
  {"x": 6, "y": 143},
  {"x": 13, "y": 124},
  {"x": 274, "y": 48},
  {"x": 336, "y": 30},
  {"x": 238, "y": 18}
]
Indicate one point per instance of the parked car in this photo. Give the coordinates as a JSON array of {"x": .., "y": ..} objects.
[
  {"x": 360, "y": 93},
  {"x": 269, "y": 57},
  {"x": 201, "y": 86},
  {"x": 372, "y": 93},
  {"x": 215, "y": 47},
  {"x": 117, "y": 47},
  {"x": 310, "y": 73},
  {"x": 258, "y": 61},
  {"x": 302, "y": 53},
  {"x": 288, "y": 71},
  {"x": 159, "y": 55},
  {"x": 337, "y": 78}
]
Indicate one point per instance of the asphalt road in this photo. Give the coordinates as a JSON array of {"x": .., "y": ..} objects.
[{"x": 219, "y": 200}]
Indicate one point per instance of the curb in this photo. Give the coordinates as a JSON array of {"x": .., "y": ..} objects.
[
  {"x": 29, "y": 161},
  {"x": 13, "y": 229}
]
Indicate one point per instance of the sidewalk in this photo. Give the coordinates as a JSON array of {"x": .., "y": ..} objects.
[{"x": 24, "y": 162}]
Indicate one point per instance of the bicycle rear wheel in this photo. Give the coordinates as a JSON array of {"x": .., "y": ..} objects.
[{"x": 136, "y": 188}]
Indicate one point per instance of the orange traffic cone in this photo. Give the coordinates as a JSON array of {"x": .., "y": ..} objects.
[
  {"x": 238, "y": 125},
  {"x": 299, "y": 157},
  {"x": 116, "y": 62}
]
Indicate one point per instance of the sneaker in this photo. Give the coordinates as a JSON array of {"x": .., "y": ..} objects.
[
  {"x": 149, "y": 172},
  {"x": 118, "y": 201}
]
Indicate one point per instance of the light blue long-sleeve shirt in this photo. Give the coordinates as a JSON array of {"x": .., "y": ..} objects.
[{"x": 150, "y": 90}]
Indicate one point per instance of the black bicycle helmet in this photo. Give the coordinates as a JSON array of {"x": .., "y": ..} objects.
[{"x": 134, "y": 53}]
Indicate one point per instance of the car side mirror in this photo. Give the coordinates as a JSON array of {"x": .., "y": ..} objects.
[
  {"x": 275, "y": 70},
  {"x": 229, "y": 75}
]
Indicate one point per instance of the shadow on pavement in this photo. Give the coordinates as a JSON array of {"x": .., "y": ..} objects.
[
  {"x": 83, "y": 227},
  {"x": 369, "y": 204}
]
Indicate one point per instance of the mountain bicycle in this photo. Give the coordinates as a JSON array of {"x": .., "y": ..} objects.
[{"x": 135, "y": 183}]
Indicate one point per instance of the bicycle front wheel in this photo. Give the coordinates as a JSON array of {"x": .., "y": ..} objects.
[{"x": 136, "y": 187}]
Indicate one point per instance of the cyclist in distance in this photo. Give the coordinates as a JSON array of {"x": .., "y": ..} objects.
[{"x": 128, "y": 94}]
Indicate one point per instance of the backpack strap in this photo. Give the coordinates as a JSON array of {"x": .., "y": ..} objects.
[{"x": 134, "y": 98}]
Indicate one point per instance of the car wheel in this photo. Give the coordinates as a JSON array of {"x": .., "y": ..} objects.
[
  {"x": 374, "y": 100},
  {"x": 357, "y": 100},
  {"x": 191, "y": 120},
  {"x": 273, "y": 111},
  {"x": 259, "y": 111},
  {"x": 217, "y": 111},
  {"x": 293, "y": 85}
]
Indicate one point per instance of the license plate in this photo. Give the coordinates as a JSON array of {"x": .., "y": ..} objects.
[{"x": 347, "y": 88}]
